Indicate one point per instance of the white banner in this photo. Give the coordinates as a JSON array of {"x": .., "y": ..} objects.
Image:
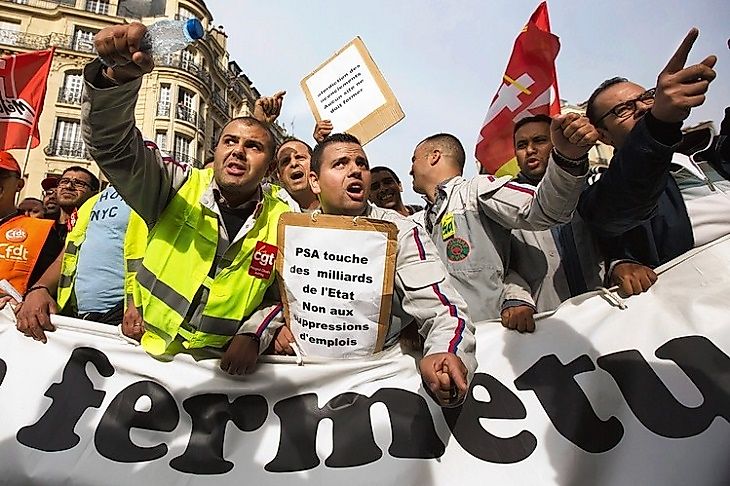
[{"x": 596, "y": 395}]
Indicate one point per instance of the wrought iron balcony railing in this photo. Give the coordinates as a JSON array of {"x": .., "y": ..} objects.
[
  {"x": 163, "y": 109},
  {"x": 69, "y": 96},
  {"x": 187, "y": 65},
  {"x": 39, "y": 42},
  {"x": 49, "y": 4},
  {"x": 186, "y": 113},
  {"x": 66, "y": 148},
  {"x": 220, "y": 103},
  {"x": 187, "y": 159}
]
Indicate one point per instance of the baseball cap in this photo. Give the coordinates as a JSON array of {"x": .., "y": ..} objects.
[
  {"x": 8, "y": 162},
  {"x": 49, "y": 182}
]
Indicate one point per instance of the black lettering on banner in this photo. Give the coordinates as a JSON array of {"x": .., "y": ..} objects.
[
  {"x": 54, "y": 431},
  {"x": 654, "y": 405},
  {"x": 471, "y": 436},
  {"x": 567, "y": 405},
  {"x": 414, "y": 435},
  {"x": 3, "y": 370},
  {"x": 211, "y": 413},
  {"x": 112, "y": 435}
]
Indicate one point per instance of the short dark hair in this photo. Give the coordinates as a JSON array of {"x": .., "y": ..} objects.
[
  {"x": 591, "y": 103},
  {"x": 316, "y": 162},
  {"x": 77, "y": 168},
  {"x": 382, "y": 168},
  {"x": 30, "y": 199},
  {"x": 290, "y": 139},
  {"x": 251, "y": 121},
  {"x": 450, "y": 142},
  {"x": 531, "y": 119}
]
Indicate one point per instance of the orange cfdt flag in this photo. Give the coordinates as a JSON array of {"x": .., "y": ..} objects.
[
  {"x": 22, "y": 91},
  {"x": 529, "y": 87}
]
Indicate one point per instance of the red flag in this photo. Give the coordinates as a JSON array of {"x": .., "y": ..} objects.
[
  {"x": 22, "y": 91},
  {"x": 529, "y": 87}
]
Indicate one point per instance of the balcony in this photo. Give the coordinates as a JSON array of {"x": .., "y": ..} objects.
[
  {"x": 69, "y": 149},
  {"x": 69, "y": 96},
  {"x": 220, "y": 103},
  {"x": 73, "y": 42},
  {"x": 163, "y": 109},
  {"x": 22, "y": 39},
  {"x": 189, "y": 115},
  {"x": 238, "y": 89},
  {"x": 39, "y": 42},
  {"x": 176, "y": 61},
  {"x": 187, "y": 159},
  {"x": 48, "y": 4}
]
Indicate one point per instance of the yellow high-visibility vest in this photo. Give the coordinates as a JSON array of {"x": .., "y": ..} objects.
[
  {"x": 135, "y": 241},
  {"x": 178, "y": 263}
]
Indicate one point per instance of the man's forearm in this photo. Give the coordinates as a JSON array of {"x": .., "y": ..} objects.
[
  {"x": 51, "y": 276},
  {"x": 627, "y": 192}
]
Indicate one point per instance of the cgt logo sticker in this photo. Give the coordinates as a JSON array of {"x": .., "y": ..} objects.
[
  {"x": 262, "y": 262},
  {"x": 16, "y": 235}
]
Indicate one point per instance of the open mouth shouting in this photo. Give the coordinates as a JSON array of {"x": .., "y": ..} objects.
[
  {"x": 533, "y": 163},
  {"x": 356, "y": 191},
  {"x": 236, "y": 168}
]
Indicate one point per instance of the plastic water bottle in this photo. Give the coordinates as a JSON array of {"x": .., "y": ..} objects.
[{"x": 166, "y": 37}]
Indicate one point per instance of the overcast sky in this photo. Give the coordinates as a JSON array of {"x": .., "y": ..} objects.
[{"x": 444, "y": 59}]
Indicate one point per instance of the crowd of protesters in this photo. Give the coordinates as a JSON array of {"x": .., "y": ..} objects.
[{"x": 165, "y": 249}]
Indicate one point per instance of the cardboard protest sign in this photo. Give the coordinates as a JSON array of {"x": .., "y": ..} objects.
[
  {"x": 350, "y": 90},
  {"x": 336, "y": 280}
]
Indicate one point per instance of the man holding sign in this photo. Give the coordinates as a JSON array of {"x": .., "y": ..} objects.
[{"x": 340, "y": 176}]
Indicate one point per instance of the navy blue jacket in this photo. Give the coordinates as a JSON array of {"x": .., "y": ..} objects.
[{"x": 639, "y": 175}]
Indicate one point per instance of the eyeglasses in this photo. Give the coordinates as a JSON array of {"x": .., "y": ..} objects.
[
  {"x": 49, "y": 192},
  {"x": 75, "y": 183},
  {"x": 626, "y": 109}
]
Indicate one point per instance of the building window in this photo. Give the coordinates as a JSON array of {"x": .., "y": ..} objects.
[
  {"x": 67, "y": 140},
  {"x": 186, "y": 106},
  {"x": 98, "y": 6},
  {"x": 187, "y": 59},
  {"x": 161, "y": 140},
  {"x": 9, "y": 32},
  {"x": 163, "y": 106},
  {"x": 83, "y": 40},
  {"x": 183, "y": 150},
  {"x": 184, "y": 14},
  {"x": 72, "y": 88}
]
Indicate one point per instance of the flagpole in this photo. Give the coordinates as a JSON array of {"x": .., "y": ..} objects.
[{"x": 27, "y": 150}]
